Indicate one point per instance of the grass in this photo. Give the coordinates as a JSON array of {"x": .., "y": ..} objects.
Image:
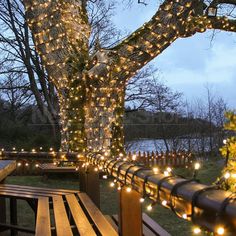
[{"x": 109, "y": 198}]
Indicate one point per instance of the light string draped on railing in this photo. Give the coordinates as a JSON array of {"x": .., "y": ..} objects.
[{"x": 203, "y": 205}]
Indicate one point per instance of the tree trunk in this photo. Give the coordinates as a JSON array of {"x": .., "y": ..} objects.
[
  {"x": 104, "y": 120},
  {"x": 91, "y": 87}
]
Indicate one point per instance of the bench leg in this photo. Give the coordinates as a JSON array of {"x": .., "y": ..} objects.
[
  {"x": 13, "y": 215},
  {"x": 2, "y": 212},
  {"x": 130, "y": 213}
]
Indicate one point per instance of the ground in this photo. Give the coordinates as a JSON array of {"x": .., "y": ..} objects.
[{"x": 176, "y": 227}]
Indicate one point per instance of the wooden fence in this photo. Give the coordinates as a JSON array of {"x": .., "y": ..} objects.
[{"x": 28, "y": 162}]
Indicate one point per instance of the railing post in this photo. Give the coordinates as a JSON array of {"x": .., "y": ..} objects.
[
  {"x": 2, "y": 210},
  {"x": 89, "y": 183},
  {"x": 130, "y": 213}
]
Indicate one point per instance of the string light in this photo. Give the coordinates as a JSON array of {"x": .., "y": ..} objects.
[
  {"x": 227, "y": 175},
  {"x": 166, "y": 173},
  {"x": 220, "y": 230},
  {"x": 149, "y": 207},
  {"x": 128, "y": 189},
  {"x": 155, "y": 170},
  {"x": 164, "y": 203},
  {"x": 197, "y": 166},
  {"x": 196, "y": 230},
  {"x": 141, "y": 200},
  {"x": 134, "y": 157}
]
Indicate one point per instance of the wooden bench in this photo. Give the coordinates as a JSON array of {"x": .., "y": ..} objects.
[
  {"x": 51, "y": 168},
  {"x": 150, "y": 227},
  {"x": 57, "y": 212}
]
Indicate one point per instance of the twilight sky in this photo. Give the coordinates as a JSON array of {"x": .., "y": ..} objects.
[{"x": 188, "y": 65}]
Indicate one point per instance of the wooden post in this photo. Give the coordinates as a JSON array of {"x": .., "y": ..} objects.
[
  {"x": 2, "y": 210},
  {"x": 130, "y": 213},
  {"x": 90, "y": 184}
]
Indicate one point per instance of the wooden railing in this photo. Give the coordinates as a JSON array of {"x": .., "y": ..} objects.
[
  {"x": 162, "y": 159},
  {"x": 207, "y": 206}
]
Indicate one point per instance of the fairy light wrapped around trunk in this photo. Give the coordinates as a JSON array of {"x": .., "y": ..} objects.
[
  {"x": 228, "y": 179},
  {"x": 91, "y": 87}
]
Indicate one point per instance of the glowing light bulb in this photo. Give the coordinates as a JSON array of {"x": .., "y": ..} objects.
[
  {"x": 225, "y": 141},
  {"x": 197, "y": 166},
  {"x": 185, "y": 216},
  {"x": 227, "y": 175},
  {"x": 96, "y": 169},
  {"x": 155, "y": 170},
  {"x": 134, "y": 157},
  {"x": 37, "y": 165},
  {"x": 104, "y": 176},
  {"x": 196, "y": 230},
  {"x": 166, "y": 173},
  {"x": 26, "y": 164},
  {"x": 119, "y": 188},
  {"x": 220, "y": 230},
  {"x": 233, "y": 175},
  {"x": 142, "y": 200},
  {"x": 128, "y": 189},
  {"x": 19, "y": 164},
  {"x": 112, "y": 184},
  {"x": 164, "y": 202},
  {"x": 149, "y": 207},
  {"x": 169, "y": 169}
]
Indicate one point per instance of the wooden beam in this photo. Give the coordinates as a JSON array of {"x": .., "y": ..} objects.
[{"x": 130, "y": 213}]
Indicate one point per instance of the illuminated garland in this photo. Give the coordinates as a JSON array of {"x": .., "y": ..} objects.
[{"x": 228, "y": 179}]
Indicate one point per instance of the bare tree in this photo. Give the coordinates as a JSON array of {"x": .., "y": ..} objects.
[
  {"x": 18, "y": 56},
  {"x": 16, "y": 91},
  {"x": 151, "y": 94}
]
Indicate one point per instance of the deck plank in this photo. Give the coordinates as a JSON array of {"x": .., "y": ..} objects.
[
  {"x": 81, "y": 221},
  {"x": 43, "y": 226},
  {"x": 98, "y": 218},
  {"x": 61, "y": 220}
]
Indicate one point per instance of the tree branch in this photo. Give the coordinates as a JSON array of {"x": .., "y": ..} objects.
[{"x": 155, "y": 36}]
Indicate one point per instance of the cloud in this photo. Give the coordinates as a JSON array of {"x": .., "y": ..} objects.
[{"x": 188, "y": 65}]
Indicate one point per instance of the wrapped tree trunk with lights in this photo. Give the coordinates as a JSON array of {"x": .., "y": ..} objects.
[
  {"x": 91, "y": 88},
  {"x": 229, "y": 152}
]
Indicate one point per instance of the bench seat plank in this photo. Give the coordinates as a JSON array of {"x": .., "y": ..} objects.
[
  {"x": 24, "y": 194},
  {"x": 98, "y": 218},
  {"x": 80, "y": 219},
  {"x": 43, "y": 226},
  {"x": 62, "y": 191},
  {"x": 112, "y": 222},
  {"x": 61, "y": 220}
]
